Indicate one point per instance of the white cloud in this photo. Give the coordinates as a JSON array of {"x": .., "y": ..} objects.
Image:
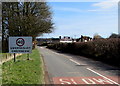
[
  {"x": 68, "y": 9},
  {"x": 107, "y": 4},
  {"x": 93, "y": 10}
]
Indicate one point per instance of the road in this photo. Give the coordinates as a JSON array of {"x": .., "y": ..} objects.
[{"x": 72, "y": 69}]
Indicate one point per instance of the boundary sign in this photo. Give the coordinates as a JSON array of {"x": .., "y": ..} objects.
[{"x": 20, "y": 44}]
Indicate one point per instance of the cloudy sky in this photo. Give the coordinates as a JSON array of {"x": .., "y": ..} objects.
[{"x": 84, "y": 18}]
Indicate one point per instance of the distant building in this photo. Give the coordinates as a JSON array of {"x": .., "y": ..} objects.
[
  {"x": 66, "y": 39},
  {"x": 84, "y": 39}
]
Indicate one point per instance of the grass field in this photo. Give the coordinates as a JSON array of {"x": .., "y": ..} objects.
[{"x": 24, "y": 71}]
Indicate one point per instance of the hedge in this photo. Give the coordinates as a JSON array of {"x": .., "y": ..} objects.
[{"x": 106, "y": 50}]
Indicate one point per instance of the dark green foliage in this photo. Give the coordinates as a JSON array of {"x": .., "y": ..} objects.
[{"x": 107, "y": 50}]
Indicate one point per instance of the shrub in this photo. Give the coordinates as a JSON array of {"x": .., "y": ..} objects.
[{"x": 106, "y": 50}]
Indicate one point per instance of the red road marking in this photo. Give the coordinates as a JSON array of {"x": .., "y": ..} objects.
[{"x": 83, "y": 80}]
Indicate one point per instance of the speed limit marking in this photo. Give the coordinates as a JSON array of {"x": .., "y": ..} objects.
[{"x": 20, "y": 42}]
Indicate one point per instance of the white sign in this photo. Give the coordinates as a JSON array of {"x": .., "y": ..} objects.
[{"x": 20, "y": 44}]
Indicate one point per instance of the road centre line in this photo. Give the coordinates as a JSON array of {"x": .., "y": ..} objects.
[
  {"x": 61, "y": 54},
  {"x": 74, "y": 61},
  {"x": 103, "y": 76},
  {"x": 69, "y": 57},
  {"x": 41, "y": 47}
]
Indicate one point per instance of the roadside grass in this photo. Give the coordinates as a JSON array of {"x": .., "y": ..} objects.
[{"x": 23, "y": 71}]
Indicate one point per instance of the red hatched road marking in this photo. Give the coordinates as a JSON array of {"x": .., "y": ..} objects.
[{"x": 82, "y": 80}]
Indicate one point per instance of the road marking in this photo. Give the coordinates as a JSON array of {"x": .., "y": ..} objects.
[
  {"x": 69, "y": 57},
  {"x": 90, "y": 81},
  {"x": 103, "y": 76},
  {"x": 64, "y": 55},
  {"x": 41, "y": 47},
  {"x": 63, "y": 81},
  {"x": 83, "y": 80},
  {"x": 60, "y": 54},
  {"x": 74, "y": 61},
  {"x": 73, "y": 81}
]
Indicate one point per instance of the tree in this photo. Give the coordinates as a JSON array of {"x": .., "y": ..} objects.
[
  {"x": 97, "y": 36},
  {"x": 26, "y": 19},
  {"x": 114, "y": 35}
]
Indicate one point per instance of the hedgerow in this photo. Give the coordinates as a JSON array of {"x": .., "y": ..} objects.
[{"x": 107, "y": 50}]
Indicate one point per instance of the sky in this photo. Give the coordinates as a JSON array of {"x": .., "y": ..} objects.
[{"x": 84, "y": 18}]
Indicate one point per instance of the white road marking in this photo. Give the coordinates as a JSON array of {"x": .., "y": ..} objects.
[
  {"x": 69, "y": 57},
  {"x": 102, "y": 81},
  {"x": 74, "y": 61},
  {"x": 103, "y": 76},
  {"x": 90, "y": 81},
  {"x": 61, "y": 55},
  {"x": 41, "y": 47},
  {"x": 73, "y": 81},
  {"x": 64, "y": 82}
]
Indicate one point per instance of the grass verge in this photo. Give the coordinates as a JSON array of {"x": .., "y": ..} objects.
[{"x": 24, "y": 71}]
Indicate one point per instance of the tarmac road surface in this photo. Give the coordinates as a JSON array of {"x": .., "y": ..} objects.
[{"x": 72, "y": 69}]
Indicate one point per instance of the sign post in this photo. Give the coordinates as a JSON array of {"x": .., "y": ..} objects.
[
  {"x": 20, "y": 45},
  {"x": 28, "y": 57},
  {"x": 14, "y": 57}
]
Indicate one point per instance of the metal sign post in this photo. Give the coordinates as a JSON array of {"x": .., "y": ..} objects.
[
  {"x": 14, "y": 57},
  {"x": 28, "y": 57}
]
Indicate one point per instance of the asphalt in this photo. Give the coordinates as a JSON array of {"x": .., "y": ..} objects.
[{"x": 67, "y": 65}]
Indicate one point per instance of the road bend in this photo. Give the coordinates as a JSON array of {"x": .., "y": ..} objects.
[{"x": 73, "y": 69}]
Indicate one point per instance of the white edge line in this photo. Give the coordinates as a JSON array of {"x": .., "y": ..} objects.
[{"x": 103, "y": 76}]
